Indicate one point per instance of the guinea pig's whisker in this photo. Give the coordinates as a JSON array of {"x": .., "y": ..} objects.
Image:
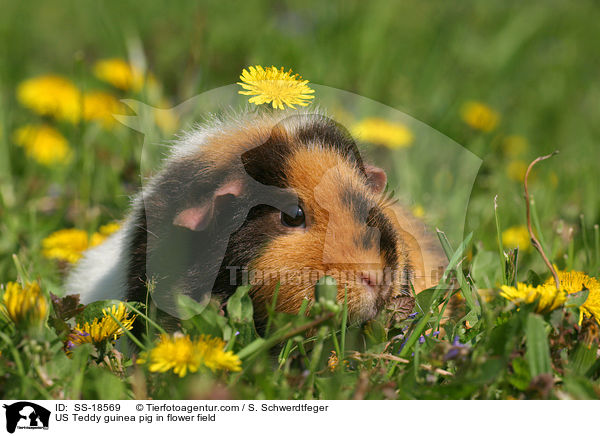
[{"x": 386, "y": 200}]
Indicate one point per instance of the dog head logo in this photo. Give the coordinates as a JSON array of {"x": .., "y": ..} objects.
[{"x": 26, "y": 415}]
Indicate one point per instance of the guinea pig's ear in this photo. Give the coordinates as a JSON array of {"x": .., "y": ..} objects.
[
  {"x": 376, "y": 178},
  {"x": 199, "y": 216}
]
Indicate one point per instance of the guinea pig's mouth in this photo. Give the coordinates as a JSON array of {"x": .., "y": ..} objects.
[
  {"x": 368, "y": 280},
  {"x": 367, "y": 294},
  {"x": 376, "y": 288}
]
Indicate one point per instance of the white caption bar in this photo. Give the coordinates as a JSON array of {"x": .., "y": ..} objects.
[{"x": 290, "y": 417}]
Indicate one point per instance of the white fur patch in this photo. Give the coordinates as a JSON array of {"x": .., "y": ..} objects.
[{"x": 102, "y": 273}]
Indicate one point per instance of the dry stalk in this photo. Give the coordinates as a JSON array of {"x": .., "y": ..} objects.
[{"x": 534, "y": 240}]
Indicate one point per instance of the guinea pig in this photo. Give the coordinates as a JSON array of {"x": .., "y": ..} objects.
[{"x": 275, "y": 199}]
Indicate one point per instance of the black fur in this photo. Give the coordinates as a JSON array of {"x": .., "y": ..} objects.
[
  {"x": 368, "y": 212},
  {"x": 326, "y": 131}
]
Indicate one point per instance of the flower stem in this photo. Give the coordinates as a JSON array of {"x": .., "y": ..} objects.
[
  {"x": 534, "y": 240},
  {"x": 588, "y": 257},
  {"x": 146, "y": 318},
  {"x": 500, "y": 245},
  {"x": 128, "y": 333},
  {"x": 597, "y": 245}
]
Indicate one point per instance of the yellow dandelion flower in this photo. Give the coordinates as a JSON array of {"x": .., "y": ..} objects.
[
  {"x": 43, "y": 143},
  {"x": 182, "y": 355},
  {"x": 105, "y": 328},
  {"x": 418, "y": 211},
  {"x": 103, "y": 232},
  {"x": 119, "y": 73},
  {"x": 576, "y": 281},
  {"x": 547, "y": 296},
  {"x": 487, "y": 294},
  {"x": 382, "y": 132},
  {"x": 272, "y": 85},
  {"x": 514, "y": 145},
  {"x": 176, "y": 353},
  {"x": 551, "y": 298},
  {"x": 516, "y": 237},
  {"x": 479, "y": 116},
  {"x": 67, "y": 245},
  {"x": 213, "y": 355},
  {"x": 100, "y": 106},
  {"x": 109, "y": 229},
  {"x": 25, "y": 305},
  {"x": 51, "y": 96},
  {"x": 516, "y": 170},
  {"x": 97, "y": 239}
]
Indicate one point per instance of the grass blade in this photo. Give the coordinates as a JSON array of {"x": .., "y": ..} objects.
[
  {"x": 538, "y": 351},
  {"x": 500, "y": 245},
  {"x": 454, "y": 260}
]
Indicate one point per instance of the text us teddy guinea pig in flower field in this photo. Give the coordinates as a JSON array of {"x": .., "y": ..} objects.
[{"x": 263, "y": 199}]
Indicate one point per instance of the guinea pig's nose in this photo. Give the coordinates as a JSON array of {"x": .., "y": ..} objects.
[{"x": 369, "y": 279}]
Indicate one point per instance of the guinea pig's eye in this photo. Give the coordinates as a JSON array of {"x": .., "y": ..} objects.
[{"x": 297, "y": 219}]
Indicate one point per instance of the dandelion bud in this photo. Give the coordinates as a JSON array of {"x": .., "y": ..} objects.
[
  {"x": 25, "y": 305},
  {"x": 326, "y": 289}
]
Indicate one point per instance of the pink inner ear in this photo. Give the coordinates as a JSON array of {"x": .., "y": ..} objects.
[
  {"x": 194, "y": 218},
  {"x": 376, "y": 177},
  {"x": 197, "y": 217},
  {"x": 233, "y": 187}
]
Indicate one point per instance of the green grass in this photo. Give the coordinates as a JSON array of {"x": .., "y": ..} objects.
[{"x": 534, "y": 63}]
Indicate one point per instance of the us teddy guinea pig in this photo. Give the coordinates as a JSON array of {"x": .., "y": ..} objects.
[{"x": 273, "y": 199}]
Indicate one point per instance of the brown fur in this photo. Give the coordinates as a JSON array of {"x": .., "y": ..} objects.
[{"x": 423, "y": 250}]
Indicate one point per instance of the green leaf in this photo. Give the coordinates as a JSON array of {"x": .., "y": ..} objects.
[
  {"x": 521, "y": 378},
  {"x": 580, "y": 388},
  {"x": 471, "y": 317},
  {"x": 67, "y": 307},
  {"x": 504, "y": 336},
  {"x": 326, "y": 289},
  {"x": 375, "y": 332},
  {"x": 188, "y": 307},
  {"x": 511, "y": 258},
  {"x": 577, "y": 298},
  {"x": 424, "y": 300},
  {"x": 209, "y": 321},
  {"x": 538, "y": 351},
  {"x": 455, "y": 259},
  {"x": 488, "y": 371},
  {"x": 241, "y": 315},
  {"x": 239, "y": 306},
  {"x": 335, "y": 387},
  {"x": 533, "y": 278},
  {"x": 484, "y": 269},
  {"x": 102, "y": 384},
  {"x": 64, "y": 309},
  {"x": 582, "y": 359}
]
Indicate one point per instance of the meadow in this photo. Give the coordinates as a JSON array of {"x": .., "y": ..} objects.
[{"x": 467, "y": 95}]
